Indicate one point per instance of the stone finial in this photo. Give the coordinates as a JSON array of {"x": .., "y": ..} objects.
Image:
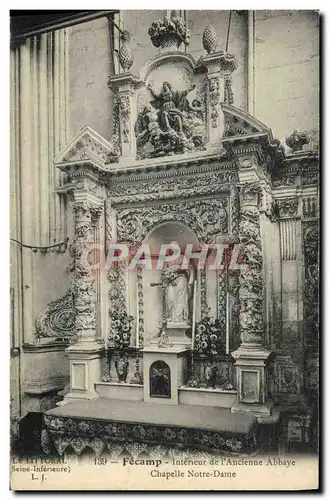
[
  {"x": 126, "y": 57},
  {"x": 209, "y": 39},
  {"x": 296, "y": 140}
]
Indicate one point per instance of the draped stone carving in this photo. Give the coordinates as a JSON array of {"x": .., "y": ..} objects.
[
  {"x": 251, "y": 279},
  {"x": 205, "y": 217},
  {"x": 57, "y": 319}
]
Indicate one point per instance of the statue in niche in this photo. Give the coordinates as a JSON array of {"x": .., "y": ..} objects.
[
  {"x": 178, "y": 291},
  {"x": 177, "y": 127}
]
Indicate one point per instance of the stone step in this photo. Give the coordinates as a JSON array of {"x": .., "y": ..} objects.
[
  {"x": 217, "y": 398},
  {"x": 190, "y": 426}
]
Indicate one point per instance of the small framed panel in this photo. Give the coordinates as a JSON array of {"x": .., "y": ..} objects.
[
  {"x": 250, "y": 386},
  {"x": 79, "y": 376},
  {"x": 160, "y": 380}
]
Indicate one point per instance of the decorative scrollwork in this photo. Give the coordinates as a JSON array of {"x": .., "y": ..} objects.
[
  {"x": 221, "y": 297},
  {"x": 117, "y": 292},
  {"x": 228, "y": 92},
  {"x": 140, "y": 305},
  {"x": 125, "y": 116},
  {"x": 214, "y": 100},
  {"x": 311, "y": 288},
  {"x": 183, "y": 187},
  {"x": 83, "y": 277},
  {"x": 203, "y": 288},
  {"x": 288, "y": 207},
  {"x": 136, "y": 438},
  {"x": 205, "y": 217},
  {"x": 57, "y": 319},
  {"x": 234, "y": 210}
]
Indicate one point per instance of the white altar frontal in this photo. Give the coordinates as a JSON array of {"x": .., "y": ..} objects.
[{"x": 170, "y": 309}]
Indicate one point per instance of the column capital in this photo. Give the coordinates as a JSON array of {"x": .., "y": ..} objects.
[{"x": 218, "y": 62}]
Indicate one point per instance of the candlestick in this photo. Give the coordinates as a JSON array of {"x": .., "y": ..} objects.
[
  {"x": 137, "y": 319},
  {"x": 194, "y": 314},
  {"x": 227, "y": 349}
]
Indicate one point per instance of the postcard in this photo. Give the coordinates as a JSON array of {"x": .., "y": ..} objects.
[{"x": 164, "y": 238}]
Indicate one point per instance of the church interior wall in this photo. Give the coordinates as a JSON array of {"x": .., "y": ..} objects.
[
  {"x": 90, "y": 65},
  {"x": 287, "y": 70}
]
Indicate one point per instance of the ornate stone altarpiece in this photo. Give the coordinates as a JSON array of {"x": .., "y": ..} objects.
[{"x": 181, "y": 151}]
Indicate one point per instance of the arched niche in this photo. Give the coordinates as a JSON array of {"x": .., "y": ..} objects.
[
  {"x": 163, "y": 233},
  {"x": 160, "y": 380}
]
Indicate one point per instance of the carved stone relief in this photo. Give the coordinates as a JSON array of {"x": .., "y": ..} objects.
[
  {"x": 310, "y": 178},
  {"x": 221, "y": 297},
  {"x": 311, "y": 286},
  {"x": 287, "y": 376},
  {"x": 175, "y": 187},
  {"x": 140, "y": 326},
  {"x": 237, "y": 126},
  {"x": 284, "y": 180},
  {"x": 288, "y": 207},
  {"x": 213, "y": 94},
  {"x": 228, "y": 91},
  {"x": 205, "y": 217},
  {"x": 83, "y": 278},
  {"x": 309, "y": 206},
  {"x": 178, "y": 125},
  {"x": 57, "y": 319},
  {"x": 124, "y": 103},
  {"x": 117, "y": 292}
]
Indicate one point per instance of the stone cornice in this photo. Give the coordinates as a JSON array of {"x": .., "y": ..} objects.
[
  {"x": 184, "y": 162},
  {"x": 123, "y": 81},
  {"x": 223, "y": 60},
  {"x": 180, "y": 170}
]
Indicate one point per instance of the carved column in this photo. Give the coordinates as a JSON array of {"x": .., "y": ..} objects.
[
  {"x": 85, "y": 355},
  {"x": 251, "y": 357}
]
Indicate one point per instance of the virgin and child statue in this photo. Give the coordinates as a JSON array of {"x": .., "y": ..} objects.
[{"x": 179, "y": 289}]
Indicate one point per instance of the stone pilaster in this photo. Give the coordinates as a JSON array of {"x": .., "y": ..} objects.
[
  {"x": 251, "y": 357},
  {"x": 220, "y": 66},
  {"x": 123, "y": 86}
]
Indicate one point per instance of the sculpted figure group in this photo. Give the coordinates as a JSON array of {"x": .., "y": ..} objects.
[{"x": 177, "y": 127}]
